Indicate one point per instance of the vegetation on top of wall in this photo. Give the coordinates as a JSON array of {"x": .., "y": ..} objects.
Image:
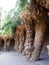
[{"x": 12, "y": 19}]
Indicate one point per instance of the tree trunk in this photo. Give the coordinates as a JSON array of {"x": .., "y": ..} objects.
[{"x": 38, "y": 41}]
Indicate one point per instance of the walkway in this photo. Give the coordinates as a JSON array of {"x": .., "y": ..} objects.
[{"x": 13, "y": 58}]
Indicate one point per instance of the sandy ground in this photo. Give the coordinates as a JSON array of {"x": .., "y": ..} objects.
[{"x": 14, "y": 58}]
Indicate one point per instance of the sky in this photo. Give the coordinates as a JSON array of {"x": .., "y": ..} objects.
[{"x": 7, "y": 4}]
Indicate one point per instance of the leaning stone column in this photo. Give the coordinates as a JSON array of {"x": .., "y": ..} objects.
[
  {"x": 27, "y": 21},
  {"x": 22, "y": 39},
  {"x": 7, "y": 41}
]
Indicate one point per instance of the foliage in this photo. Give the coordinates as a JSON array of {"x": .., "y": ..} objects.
[{"x": 11, "y": 20}]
